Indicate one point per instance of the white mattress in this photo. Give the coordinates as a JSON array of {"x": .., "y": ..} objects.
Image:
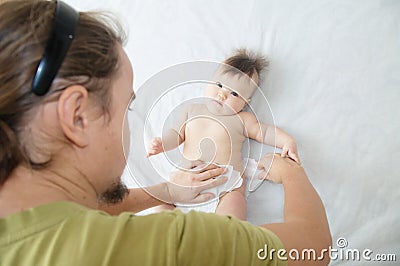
[{"x": 333, "y": 83}]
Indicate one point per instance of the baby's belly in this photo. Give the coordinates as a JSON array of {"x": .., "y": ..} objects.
[
  {"x": 212, "y": 145},
  {"x": 216, "y": 139}
]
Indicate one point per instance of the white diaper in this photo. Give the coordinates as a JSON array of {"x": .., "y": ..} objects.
[
  {"x": 251, "y": 172},
  {"x": 234, "y": 181}
]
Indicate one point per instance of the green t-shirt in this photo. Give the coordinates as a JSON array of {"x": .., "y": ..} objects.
[{"x": 65, "y": 233}]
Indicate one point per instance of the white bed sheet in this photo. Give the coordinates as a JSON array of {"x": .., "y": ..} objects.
[{"x": 333, "y": 83}]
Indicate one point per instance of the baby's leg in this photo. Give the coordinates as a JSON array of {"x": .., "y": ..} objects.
[{"x": 233, "y": 203}]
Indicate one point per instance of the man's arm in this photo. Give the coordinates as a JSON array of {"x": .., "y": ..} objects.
[
  {"x": 185, "y": 187},
  {"x": 137, "y": 200},
  {"x": 305, "y": 223}
]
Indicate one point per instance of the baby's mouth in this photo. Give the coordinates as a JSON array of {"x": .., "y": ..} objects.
[{"x": 219, "y": 103}]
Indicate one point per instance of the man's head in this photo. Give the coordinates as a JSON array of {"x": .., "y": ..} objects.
[
  {"x": 76, "y": 125},
  {"x": 235, "y": 82}
]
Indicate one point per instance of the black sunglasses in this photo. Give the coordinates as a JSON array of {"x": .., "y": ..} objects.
[{"x": 65, "y": 22}]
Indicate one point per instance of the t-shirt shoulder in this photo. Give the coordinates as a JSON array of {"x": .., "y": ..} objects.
[{"x": 66, "y": 233}]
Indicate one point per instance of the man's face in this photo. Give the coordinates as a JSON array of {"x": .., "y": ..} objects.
[{"x": 110, "y": 146}]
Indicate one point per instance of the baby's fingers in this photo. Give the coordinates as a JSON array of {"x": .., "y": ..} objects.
[
  {"x": 154, "y": 144},
  {"x": 152, "y": 147},
  {"x": 150, "y": 153}
]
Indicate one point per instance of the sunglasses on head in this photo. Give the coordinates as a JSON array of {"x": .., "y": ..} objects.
[{"x": 61, "y": 36}]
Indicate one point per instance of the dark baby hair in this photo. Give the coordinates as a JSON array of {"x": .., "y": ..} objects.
[{"x": 247, "y": 62}]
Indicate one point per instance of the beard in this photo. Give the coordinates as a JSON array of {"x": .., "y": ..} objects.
[{"x": 114, "y": 194}]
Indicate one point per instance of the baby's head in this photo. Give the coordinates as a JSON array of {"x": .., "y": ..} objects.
[{"x": 235, "y": 82}]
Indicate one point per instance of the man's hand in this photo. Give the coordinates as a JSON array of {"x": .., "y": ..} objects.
[
  {"x": 186, "y": 186},
  {"x": 279, "y": 167}
]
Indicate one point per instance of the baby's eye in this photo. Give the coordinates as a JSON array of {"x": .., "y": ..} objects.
[
  {"x": 234, "y": 94},
  {"x": 219, "y": 84}
]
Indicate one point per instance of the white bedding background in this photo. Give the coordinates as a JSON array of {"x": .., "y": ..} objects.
[{"x": 333, "y": 83}]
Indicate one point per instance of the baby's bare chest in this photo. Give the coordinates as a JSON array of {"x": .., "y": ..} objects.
[{"x": 221, "y": 129}]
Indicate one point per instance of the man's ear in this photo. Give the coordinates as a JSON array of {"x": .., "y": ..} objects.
[{"x": 73, "y": 114}]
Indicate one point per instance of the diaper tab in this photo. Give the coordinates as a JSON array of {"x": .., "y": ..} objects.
[{"x": 251, "y": 172}]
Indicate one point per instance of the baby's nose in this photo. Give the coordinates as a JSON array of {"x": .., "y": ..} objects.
[{"x": 221, "y": 95}]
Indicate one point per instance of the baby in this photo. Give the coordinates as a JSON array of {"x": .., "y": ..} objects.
[{"x": 222, "y": 121}]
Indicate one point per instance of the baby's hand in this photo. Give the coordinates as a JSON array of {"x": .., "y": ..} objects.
[
  {"x": 155, "y": 147},
  {"x": 290, "y": 149}
]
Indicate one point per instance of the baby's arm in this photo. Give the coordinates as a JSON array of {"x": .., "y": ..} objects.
[
  {"x": 270, "y": 135},
  {"x": 171, "y": 138}
]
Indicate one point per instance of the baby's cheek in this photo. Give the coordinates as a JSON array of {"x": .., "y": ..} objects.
[
  {"x": 210, "y": 92},
  {"x": 237, "y": 107}
]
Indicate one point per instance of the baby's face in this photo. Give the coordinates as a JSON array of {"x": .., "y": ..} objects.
[{"x": 229, "y": 94}]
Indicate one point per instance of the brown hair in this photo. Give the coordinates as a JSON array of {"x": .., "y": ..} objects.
[
  {"x": 247, "y": 62},
  {"x": 92, "y": 61}
]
